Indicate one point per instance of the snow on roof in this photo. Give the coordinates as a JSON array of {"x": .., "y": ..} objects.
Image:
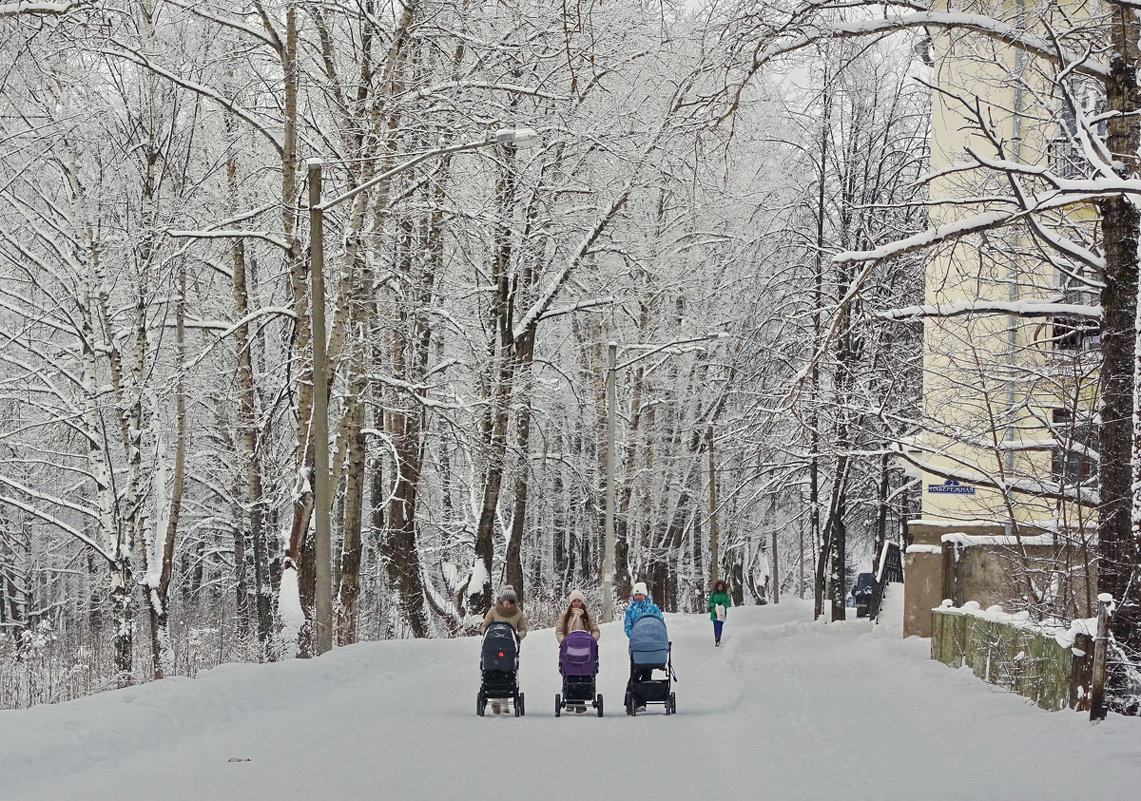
[{"x": 968, "y": 540}]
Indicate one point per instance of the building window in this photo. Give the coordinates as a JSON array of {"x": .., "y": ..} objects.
[
  {"x": 1076, "y": 334},
  {"x": 1065, "y": 159},
  {"x": 1071, "y": 459}
]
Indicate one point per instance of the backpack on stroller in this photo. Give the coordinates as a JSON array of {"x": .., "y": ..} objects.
[
  {"x": 578, "y": 664},
  {"x": 650, "y": 650},
  {"x": 499, "y": 668}
]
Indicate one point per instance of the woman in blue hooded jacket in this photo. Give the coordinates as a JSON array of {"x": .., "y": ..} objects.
[{"x": 640, "y": 606}]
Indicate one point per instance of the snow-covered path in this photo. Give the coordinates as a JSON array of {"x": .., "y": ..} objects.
[{"x": 786, "y": 709}]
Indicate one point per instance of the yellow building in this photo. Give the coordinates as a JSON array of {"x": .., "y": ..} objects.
[{"x": 1007, "y": 389}]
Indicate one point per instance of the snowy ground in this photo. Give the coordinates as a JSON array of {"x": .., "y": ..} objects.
[{"x": 786, "y": 709}]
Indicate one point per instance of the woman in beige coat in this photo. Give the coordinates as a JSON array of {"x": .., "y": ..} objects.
[
  {"x": 576, "y": 618},
  {"x": 506, "y": 609}
]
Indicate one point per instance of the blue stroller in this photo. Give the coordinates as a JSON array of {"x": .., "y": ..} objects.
[
  {"x": 578, "y": 664},
  {"x": 650, "y": 650},
  {"x": 499, "y": 668}
]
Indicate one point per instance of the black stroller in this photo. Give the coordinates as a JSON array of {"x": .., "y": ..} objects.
[
  {"x": 578, "y": 664},
  {"x": 650, "y": 650},
  {"x": 499, "y": 668}
]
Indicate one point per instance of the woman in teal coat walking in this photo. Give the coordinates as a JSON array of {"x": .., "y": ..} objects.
[{"x": 719, "y": 601}]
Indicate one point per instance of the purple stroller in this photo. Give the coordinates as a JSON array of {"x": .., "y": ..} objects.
[{"x": 578, "y": 664}]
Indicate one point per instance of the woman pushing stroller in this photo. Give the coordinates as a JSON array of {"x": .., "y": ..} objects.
[
  {"x": 649, "y": 650},
  {"x": 503, "y": 627},
  {"x": 577, "y": 634}
]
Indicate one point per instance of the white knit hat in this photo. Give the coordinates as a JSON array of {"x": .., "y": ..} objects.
[
  {"x": 508, "y": 594},
  {"x": 640, "y": 588},
  {"x": 576, "y": 595}
]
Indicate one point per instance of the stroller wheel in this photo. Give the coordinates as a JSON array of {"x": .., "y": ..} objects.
[
  {"x": 520, "y": 710},
  {"x": 598, "y": 703},
  {"x": 673, "y": 703},
  {"x": 480, "y": 704},
  {"x": 558, "y": 705}
]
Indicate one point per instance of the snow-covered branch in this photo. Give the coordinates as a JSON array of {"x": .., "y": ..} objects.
[
  {"x": 233, "y": 327},
  {"x": 1021, "y": 308},
  {"x": 41, "y": 9},
  {"x": 47, "y": 517},
  {"x": 143, "y": 60},
  {"x": 1005, "y": 33},
  {"x": 237, "y": 25},
  {"x": 983, "y": 221},
  {"x": 262, "y": 235},
  {"x": 1068, "y": 194}
]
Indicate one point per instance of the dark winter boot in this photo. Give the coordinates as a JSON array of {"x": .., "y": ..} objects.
[{"x": 717, "y": 642}]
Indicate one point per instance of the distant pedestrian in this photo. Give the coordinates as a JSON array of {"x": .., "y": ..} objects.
[{"x": 719, "y": 603}]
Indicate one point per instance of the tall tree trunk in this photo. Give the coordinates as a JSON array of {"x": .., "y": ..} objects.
[
  {"x": 403, "y": 557},
  {"x": 1120, "y": 431},
  {"x": 714, "y": 545},
  {"x": 122, "y": 618},
  {"x": 251, "y": 460},
  {"x": 498, "y": 411},
  {"x": 352, "y": 545},
  {"x": 161, "y": 649},
  {"x": 514, "y": 566},
  {"x": 622, "y": 580},
  {"x": 482, "y": 597},
  {"x": 814, "y": 527}
]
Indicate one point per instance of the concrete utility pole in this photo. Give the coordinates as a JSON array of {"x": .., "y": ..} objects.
[{"x": 322, "y": 495}]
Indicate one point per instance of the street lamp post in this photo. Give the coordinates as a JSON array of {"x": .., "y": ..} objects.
[
  {"x": 608, "y": 543},
  {"x": 322, "y": 484}
]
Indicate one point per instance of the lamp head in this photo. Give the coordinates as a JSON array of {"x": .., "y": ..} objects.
[{"x": 520, "y": 137}]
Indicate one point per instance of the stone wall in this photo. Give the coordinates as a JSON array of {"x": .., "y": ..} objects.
[
  {"x": 1034, "y": 664},
  {"x": 976, "y": 562},
  {"x": 996, "y": 573}
]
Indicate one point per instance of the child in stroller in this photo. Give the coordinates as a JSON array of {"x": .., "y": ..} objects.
[
  {"x": 499, "y": 670},
  {"x": 578, "y": 664},
  {"x": 650, "y": 650}
]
